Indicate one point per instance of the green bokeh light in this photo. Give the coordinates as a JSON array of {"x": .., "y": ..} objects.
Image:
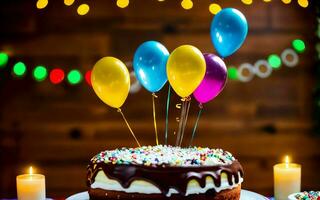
[
  {"x": 299, "y": 45},
  {"x": 3, "y": 59},
  {"x": 274, "y": 61},
  {"x": 74, "y": 77},
  {"x": 232, "y": 73},
  {"x": 40, "y": 73},
  {"x": 19, "y": 69}
]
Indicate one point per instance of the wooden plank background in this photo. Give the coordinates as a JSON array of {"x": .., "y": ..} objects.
[{"x": 58, "y": 128}]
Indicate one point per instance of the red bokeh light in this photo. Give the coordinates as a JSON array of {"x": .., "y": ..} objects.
[
  {"x": 88, "y": 77},
  {"x": 56, "y": 76}
]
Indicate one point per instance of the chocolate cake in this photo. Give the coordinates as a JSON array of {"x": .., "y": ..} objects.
[{"x": 164, "y": 172}]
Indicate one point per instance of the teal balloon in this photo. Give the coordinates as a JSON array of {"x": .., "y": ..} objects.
[
  {"x": 229, "y": 30},
  {"x": 149, "y": 64}
]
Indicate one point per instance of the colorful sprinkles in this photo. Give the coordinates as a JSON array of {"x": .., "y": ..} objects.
[
  {"x": 312, "y": 195},
  {"x": 165, "y": 155}
]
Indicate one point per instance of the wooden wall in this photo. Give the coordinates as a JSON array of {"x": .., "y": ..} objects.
[{"x": 58, "y": 128}]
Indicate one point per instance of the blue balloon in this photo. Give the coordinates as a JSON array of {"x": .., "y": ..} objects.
[
  {"x": 149, "y": 64},
  {"x": 229, "y": 29}
]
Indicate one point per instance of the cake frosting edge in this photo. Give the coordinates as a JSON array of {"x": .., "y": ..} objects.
[{"x": 199, "y": 170}]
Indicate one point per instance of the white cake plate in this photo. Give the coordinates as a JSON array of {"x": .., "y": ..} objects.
[{"x": 245, "y": 195}]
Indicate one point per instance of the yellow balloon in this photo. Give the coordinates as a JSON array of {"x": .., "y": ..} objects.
[
  {"x": 186, "y": 68},
  {"x": 111, "y": 81}
]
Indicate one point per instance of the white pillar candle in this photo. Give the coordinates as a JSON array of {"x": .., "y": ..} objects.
[
  {"x": 31, "y": 186},
  {"x": 287, "y": 179}
]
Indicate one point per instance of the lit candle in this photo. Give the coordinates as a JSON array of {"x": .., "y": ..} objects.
[
  {"x": 31, "y": 186},
  {"x": 287, "y": 179}
]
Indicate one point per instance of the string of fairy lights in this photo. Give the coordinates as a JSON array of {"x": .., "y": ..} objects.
[
  {"x": 214, "y": 7},
  {"x": 40, "y": 73},
  {"x": 263, "y": 68},
  {"x": 244, "y": 73}
]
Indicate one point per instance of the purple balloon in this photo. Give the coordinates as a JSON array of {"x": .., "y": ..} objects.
[{"x": 214, "y": 80}]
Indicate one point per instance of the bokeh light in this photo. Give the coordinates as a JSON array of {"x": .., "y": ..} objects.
[
  {"x": 233, "y": 73},
  {"x": 56, "y": 76},
  {"x": 286, "y": 1},
  {"x": 122, "y": 3},
  {"x": 74, "y": 77},
  {"x": 88, "y": 77},
  {"x": 83, "y": 9},
  {"x": 214, "y": 8},
  {"x": 299, "y": 45},
  {"x": 68, "y": 2},
  {"x": 40, "y": 73},
  {"x": 303, "y": 3},
  {"x": 187, "y": 4},
  {"x": 3, "y": 59},
  {"x": 41, "y": 4},
  {"x": 267, "y": 1},
  {"x": 19, "y": 69},
  {"x": 247, "y": 2},
  {"x": 274, "y": 61}
]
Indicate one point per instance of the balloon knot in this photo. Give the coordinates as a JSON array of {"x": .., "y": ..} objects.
[
  {"x": 154, "y": 95},
  {"x": 201, "y": 106},
  {"x": 119, "y": 110},
  {"x": 188, "y": 98}
]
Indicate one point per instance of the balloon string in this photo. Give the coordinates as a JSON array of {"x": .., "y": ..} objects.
[
  {"x": 183, "y": 111},
  {"x": 154, "y": 117},
  {"x": 180, "y": 122},
  {"x": 167, "y": 115},
  {"x": 125, "y": 120},
  {"x": 185, "y": 119},
  {"x": 196, "y": 124}
]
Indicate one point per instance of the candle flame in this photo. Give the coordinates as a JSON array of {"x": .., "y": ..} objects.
[
  {"x": 287, "y": 160},
  {"x": 31, "y": 170}
]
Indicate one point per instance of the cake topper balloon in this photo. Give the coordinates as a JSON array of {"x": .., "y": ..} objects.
[
  {"x": 214, "y": 80},
  {"x": 229, "y": 30},
  {"x": 212, "y": 84},
  {"x": 111, "y": 82},
  {"x": 186, "y": 68},
  {"x": 149, "y": 64}
]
